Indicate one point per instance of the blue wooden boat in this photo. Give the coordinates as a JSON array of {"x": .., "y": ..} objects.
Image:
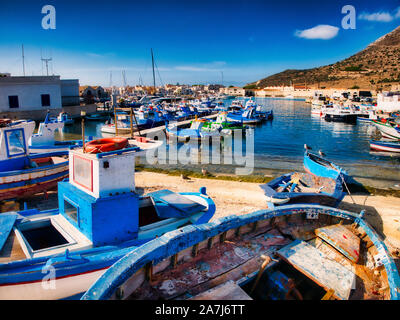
[
  {"x": 100, "y": 218},
  {"x": 293, "y": 252},
  {"x": 21, "y": 173},
  {"x": 386, "y": 146},
  {"x": 321, "y": 167},
  {"x": 248, "y": 116},
  {"x": 304, "y": 188}
]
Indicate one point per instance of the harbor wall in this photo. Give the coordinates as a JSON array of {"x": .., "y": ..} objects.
[{"x": 73, "y": 111}]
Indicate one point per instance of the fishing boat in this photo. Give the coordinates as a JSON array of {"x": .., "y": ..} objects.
[
  {"x": 321, "y": 167},
  {"x": 65, "y": 118},
  {"x": 340, "y": 113},
  {"x": 21, "y": 173},
  {"x": 389, "y": 128},
  {"x": 221, "y": 122},
  {"x": 299, "y": 187},
  {"x": 248, "y": 116},
  {"x": 368, "y": 116},
  {"x": 194, "y": 132},
  {"x": 100, "y": 218},
  {"x": 386, "y": 146},
  {"x": 44, "y": 140},
  {"x": 292, "y": 252},
  {"x": 140, "y": 123}
]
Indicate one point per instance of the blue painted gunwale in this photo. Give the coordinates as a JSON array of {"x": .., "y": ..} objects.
[
  {"x": 323, "y": 171},
  {"x": 389, "y": 144},
  {"x": 338, "y": 193},
  {"x": 183, "y": 238},
  {"x": 39, "y": 169},
  {"x": 81, "y": 261}
]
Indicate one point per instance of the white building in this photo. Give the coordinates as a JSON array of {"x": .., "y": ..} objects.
[
  {"x": 37, "y": 93},
  {"x": 388, "y": 101}
]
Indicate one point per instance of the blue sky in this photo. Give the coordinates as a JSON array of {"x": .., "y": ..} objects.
[{"x": 193, "y": 41}]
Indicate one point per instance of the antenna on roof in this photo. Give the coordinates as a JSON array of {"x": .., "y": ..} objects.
[{"x": 46, "y": 60}]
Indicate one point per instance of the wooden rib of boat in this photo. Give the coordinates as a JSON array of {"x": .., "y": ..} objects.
[
  {"x": 304, "y": 188},
  {"x": 303, "y": 252}
]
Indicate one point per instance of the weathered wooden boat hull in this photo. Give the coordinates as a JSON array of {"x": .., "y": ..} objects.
[{"x": 229, "y": 249}]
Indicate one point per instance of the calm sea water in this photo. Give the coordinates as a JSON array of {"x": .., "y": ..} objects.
[{"x": 279, "y": 144}]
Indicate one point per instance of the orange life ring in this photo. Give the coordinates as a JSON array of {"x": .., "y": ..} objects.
[{"x": 105, "y": 145}]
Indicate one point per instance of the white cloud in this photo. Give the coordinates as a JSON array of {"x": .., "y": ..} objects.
[
  {"x": 382, "y": 16},
  {"x": 322, "y": 31},
  {"x": 377, "y": 16}
]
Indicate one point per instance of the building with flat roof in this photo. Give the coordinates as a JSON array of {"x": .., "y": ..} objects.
[{"x": 37, "y": 93}]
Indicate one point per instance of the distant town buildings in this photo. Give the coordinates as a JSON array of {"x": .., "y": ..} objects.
[
  {"x": 233, "y": 91},
  {"x": 388, "y": 101}
]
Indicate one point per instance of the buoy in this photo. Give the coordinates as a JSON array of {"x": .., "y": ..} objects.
[{"x": 106, "y": 145}]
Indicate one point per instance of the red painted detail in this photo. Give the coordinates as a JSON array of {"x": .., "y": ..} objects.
[
  {"x": 106, "y": 145},
  {"x": 31, "y": 190}
]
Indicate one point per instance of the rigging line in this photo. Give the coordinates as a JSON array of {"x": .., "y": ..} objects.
[{"x": 158, "y": 72}]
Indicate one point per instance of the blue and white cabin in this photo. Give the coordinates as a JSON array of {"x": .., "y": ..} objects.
[
  {"x": 100, "y": 218},
  {"x": 23, "y": 174}
]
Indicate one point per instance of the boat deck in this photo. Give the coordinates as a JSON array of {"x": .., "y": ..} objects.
[{"x": 219, "y": 265}]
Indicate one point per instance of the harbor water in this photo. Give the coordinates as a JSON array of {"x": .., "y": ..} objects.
[{"x": 279, "y": 144}]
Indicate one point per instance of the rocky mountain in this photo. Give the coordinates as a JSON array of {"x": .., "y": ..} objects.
[{"x": 375, "y": 67}]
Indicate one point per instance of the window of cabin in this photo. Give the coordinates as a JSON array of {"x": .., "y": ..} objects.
[
  {"x": 15, "y": 142},
  {"x": 45, "y": 100},
  {"x": 13, "y": 101},
  {"x": 71, "y": 211}
]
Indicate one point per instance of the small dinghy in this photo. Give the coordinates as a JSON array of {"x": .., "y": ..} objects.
[
  {"x": 386, "y": 146},
  {"x": 100, "y": 219},
  {"x": 23, "y": 174},
  {"x": 294, "y": 252},
  {"x": 321, "y": 167},
  {"x": 299, "y": 187}
]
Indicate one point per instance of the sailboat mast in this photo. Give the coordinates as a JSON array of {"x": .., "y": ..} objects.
[
  {"x": 154, "y": 77},
  {"x": 23, "y": 60}
]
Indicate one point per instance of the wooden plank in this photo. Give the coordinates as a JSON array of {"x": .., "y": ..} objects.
[
  {"x": 317, "y": 266},
  {"x": 342, "y": 239},
  {"x": 12, "y": 250},
  {"x": 226, "y": 291}
]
